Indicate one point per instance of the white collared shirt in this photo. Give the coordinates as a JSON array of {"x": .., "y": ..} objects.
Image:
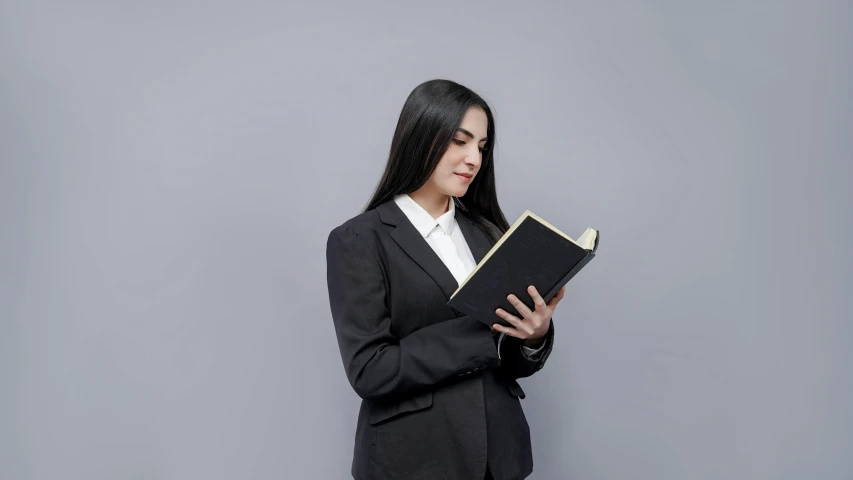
[
  {"x": 443, "y": 235},
  {"x": 446, "y": 240}
]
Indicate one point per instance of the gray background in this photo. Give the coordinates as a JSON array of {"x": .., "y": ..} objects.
[{"x": 170, "y": 172}]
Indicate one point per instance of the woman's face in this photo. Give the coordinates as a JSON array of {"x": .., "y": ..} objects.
[{"x": 461, "y": 162}]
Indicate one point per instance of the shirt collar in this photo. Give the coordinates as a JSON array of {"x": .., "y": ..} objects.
[{"x": 422, "y": 220}]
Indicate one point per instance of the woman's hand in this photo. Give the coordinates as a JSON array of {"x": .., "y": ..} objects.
[{"x": 535, "y": 324}]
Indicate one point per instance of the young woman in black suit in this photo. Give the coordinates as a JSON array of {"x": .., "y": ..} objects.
[{"x": 439, "y": 389}]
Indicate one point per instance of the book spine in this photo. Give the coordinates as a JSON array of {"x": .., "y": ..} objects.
[{"x": 563, "y": 281}]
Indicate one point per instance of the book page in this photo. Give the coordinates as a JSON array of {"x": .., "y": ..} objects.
[{"x": 587, "y": 239}]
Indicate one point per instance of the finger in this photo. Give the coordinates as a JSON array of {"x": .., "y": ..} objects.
[
  {"x": 519, "y": 305},
  {"x": 559, "y": 296},
  {"x": 512, "y": 319},
  {"x": 509, "y": 331},
  {"x": 526, "y": 328},
  {"x": 538, "y": 302}
]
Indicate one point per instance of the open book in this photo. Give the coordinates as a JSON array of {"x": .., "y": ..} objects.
[{"x": 531, "y": 252}]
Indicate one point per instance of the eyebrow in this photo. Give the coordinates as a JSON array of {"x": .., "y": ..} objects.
[{"x": 469, "y": 134}]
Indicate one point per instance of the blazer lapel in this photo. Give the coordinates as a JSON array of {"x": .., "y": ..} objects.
[
  {"x": 474, "y": 237},
  {"x": 408, "y": 238}
]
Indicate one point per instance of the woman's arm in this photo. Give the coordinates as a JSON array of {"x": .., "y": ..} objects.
[
  {"x": 517, "y": 363},
  {"x": 377, "y": 363},
  {"x": 535, "y": 327}
]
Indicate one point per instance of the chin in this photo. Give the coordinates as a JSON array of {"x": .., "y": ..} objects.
[{"x": 457, "y": 192}]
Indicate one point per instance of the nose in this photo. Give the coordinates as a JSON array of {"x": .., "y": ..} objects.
[{"x": 474, "y": 158}]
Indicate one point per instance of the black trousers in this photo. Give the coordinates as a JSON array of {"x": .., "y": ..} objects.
[{"x": 488, "y": 475}]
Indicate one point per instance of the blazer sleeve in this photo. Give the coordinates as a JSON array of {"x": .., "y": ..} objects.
[
  {"x": 516, "y": 364},
  {"x": 376, "y": 363}
]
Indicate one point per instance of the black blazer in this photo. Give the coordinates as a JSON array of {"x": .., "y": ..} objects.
[{"x": 438, "y": 402}]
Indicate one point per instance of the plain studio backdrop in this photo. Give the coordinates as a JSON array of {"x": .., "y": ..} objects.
[{"x": 170, "y": 172}]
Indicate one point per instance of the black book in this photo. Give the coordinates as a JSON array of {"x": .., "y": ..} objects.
[{"x": 531, "y": 252}]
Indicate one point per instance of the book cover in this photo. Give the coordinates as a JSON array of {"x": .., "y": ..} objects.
[{"x": 531, "y": 252}]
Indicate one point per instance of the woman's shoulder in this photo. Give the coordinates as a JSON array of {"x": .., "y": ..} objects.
[{"x": 363, "y": 224}]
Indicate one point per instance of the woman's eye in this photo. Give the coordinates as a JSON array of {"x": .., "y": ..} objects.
[{"x": 458, "y": 142}]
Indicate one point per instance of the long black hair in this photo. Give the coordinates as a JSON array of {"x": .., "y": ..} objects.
[{"x": 430, "y": 117}]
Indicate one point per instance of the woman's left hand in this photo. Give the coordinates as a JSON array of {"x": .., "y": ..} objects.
[{"x": 535, "y": 324}]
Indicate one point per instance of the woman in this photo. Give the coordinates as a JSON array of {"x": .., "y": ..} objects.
[{"x": 439, "y": 390}]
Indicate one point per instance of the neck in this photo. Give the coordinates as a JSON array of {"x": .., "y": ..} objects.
[{"x": 435, "y": 204}]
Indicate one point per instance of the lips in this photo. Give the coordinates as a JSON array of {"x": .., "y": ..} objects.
[{"x": 466, "y": 176}]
